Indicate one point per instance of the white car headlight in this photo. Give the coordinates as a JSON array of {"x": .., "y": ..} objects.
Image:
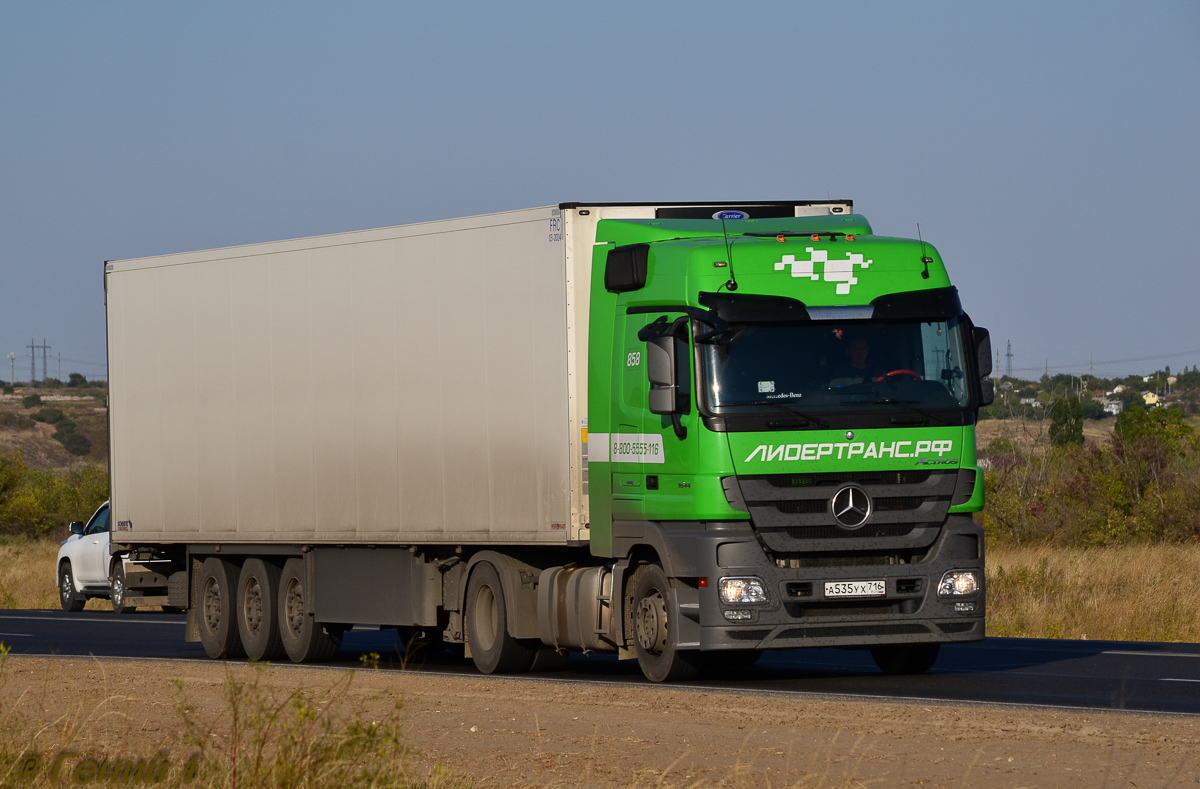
[
  {"x": 742, "y": 590},
  {"x": 958, "y": 582}
]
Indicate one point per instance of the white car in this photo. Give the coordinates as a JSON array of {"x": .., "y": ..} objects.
[{"x": 87, "y": 569}]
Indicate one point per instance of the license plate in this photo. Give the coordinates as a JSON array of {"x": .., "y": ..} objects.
[{"x": 855, "y": 589}]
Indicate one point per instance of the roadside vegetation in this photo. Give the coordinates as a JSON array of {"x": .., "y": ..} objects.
[{"x": 259, "y": 731}]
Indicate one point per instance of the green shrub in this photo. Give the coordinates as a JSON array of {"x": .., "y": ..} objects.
[
  {"x": 76, "y": 380},
  {"x": 1143, "y": 485},
  {"x": 1066, "y": 422},
  {"x": 36, "y": 503},
  {"x": 48, "y": 415},
  {"x": 75, "y": 443},
  {"x": 19, "y": 421},
  {"x": 31, "y": 400}
]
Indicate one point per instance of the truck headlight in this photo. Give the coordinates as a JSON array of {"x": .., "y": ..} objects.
[
  {"x": 958, "y": 582},
  {"x": 742, "y": 590}
]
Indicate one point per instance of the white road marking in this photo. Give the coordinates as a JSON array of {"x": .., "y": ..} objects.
[
  {"x": 113, "y": 621},
  {"x": 1175, "y": 679},
  {"x": 23, "y": 635},
  {"x": 1150, "y": 654}
]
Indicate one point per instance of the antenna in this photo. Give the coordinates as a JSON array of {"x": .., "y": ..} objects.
[
  {"x": 924, "y": 258},
  {"x": 731, "y": 285}
]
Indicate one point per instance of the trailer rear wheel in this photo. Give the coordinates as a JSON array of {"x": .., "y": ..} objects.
[
  {"x": 660, "y": 661},
  {"x": 304, "y": 639},
  {"x": 905, "y": 658},
  {"x": 215, "y": 588},
  {"x": 492, "y": 648},
  {"x": 258, "y": 610}
]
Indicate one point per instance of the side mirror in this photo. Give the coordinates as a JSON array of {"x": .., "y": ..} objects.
[
  {"x": 660, "y": 368},
  {"x": 76, "y": 527},
  {"x": 983, "y": 350},
  {"x": 987, "y": 391}
]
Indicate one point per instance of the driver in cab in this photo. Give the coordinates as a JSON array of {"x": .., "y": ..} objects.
[{"x": 857, "y": 367}]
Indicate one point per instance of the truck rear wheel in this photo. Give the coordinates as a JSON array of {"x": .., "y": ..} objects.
[
  {"x": 304, "y": 639},
  {"x": 492, "y": 648},
  {"x": 652, "y": 630},
  {"x": 216, "y": 588},
  {"x": 905, "y": 658},
  {"x": 258, "y": 610}
]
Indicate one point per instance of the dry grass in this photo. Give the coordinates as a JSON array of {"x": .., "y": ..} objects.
[
  {"x": 259, "y": 733},
  {"x": 28, "y": 577},
  {"x": 1135, "y": 592}
]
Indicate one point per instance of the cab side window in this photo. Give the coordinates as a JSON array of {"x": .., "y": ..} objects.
[{"x": 99, "y": 524}]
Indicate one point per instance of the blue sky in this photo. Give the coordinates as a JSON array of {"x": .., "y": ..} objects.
[{"x": 1050, "y": 151}]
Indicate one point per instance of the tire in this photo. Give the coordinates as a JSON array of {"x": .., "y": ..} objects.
[
  {"x": 304, "y": 640},
  {"x": 117, "y": 590},
  {"x": 905, "y": 658},
  {"x": 70, "y": 599},
  {"x": 652, "y": 630},
  {"x": 492, "y": 648},
  {"x": 258, "y": 610},
  {"x": 216, "y": 589}
]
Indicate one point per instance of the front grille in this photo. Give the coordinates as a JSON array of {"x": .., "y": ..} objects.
[
  {"x": 956, "y": 627},
  {"x": 864, "y": 608},
  {"x": 802, "y": 506},
  {"x": 846, "y": 559},
  {"x": 787, "y": 508},
  {"x": 843, "y": 631},
  {"x": 834, "y": 532},
  {"x": 898, "y": 503},
  {"x": 747, "y": 635},
  {"x": 858, "y": 477}
]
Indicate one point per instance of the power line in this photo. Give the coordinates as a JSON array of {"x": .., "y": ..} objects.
[{"x": 1111, "y": 361}]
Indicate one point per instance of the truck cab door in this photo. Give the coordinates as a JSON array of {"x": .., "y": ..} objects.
[{"x": 629, "y": 415}]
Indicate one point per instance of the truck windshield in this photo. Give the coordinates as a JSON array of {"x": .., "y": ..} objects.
[{"x": 826, "y": 367}]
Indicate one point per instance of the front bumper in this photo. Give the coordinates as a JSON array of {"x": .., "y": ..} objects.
[{"x": 798, "y": 614}]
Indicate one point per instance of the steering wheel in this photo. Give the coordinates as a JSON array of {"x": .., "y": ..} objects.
[{"x": 903, "y": 371}]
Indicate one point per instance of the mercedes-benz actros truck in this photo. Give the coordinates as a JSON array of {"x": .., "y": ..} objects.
[{"x": 683, "y": 433}]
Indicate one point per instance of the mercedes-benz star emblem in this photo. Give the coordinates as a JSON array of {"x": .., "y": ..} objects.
[{"x": 851, "y": 507}]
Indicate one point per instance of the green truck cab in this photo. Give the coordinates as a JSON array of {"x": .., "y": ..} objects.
[{"x": 782, "y": 417}]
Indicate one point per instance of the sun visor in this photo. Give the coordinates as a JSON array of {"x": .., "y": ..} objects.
[
  {"x": 749, "y": 308},
  {"x": 938, "y": 303}
]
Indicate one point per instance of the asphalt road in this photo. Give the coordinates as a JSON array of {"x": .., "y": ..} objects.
[{"x": 1123, "y": 675}]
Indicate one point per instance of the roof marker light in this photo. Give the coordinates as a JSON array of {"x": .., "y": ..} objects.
[
  {"x": 816, "y": 236},
  {"x": 849, "y": 236},
  {"x": 781, "y": 239}
]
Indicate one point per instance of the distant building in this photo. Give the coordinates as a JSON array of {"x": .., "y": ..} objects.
[
  {"x": 1113, "y": 407},
  {"x": 1033, "y": 401},
  {"x": 1150, "y": 398}
]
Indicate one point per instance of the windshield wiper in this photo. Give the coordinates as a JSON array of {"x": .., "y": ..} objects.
[
  {"x": 789, "y": 409},
  {"x": 909, "y": 405}
]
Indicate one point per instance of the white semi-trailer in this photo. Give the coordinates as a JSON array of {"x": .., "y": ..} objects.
[{"x": 391, "y": 427}]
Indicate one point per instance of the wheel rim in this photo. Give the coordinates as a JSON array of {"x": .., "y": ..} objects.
[
  {"x": 252, "y": 607},
  {"x": 650, "y": 621},
  {"x": 118, "y": 591},
  {"x": 212, "y": 604},
  {"x": 294, "y": 607},
  {"x": 487, "y": 619},
  {"x": 66, "y": 589}
]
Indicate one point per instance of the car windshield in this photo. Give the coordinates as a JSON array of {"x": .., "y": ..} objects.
[{"x": 818, "y": 367}]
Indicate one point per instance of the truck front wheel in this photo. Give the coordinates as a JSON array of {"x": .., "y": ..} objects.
[
  {"x": 304, "y": 639},
  {"x": 492, "y": 648},
  {"x": 258, "y": 610},
  {"x": 905, "y": 658},
  {"x": 117, "y": 590},
  {"x": 660, "y": 661},
  {"x": 216, "y": 587}
]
